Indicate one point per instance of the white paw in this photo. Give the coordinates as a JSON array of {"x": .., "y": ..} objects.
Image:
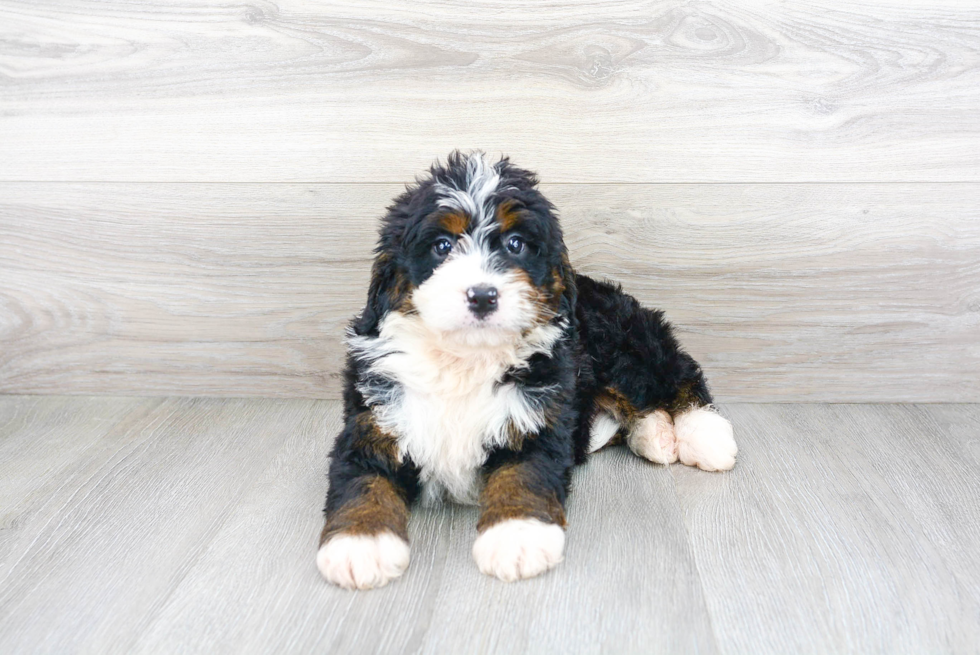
[
  {"x": 604, "y": 427},
  {"x": 519, "y": 548},
  {"x": 705, "y": 440},
  {"x": 653, "y": 438},
  {"x": 356, "y": 561}
]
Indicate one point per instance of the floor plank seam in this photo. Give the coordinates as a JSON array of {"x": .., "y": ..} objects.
[
  {"x": 70, "y": 480},
  {"x": 154, "y": 614},
  {"x": 694, "y": 560}
]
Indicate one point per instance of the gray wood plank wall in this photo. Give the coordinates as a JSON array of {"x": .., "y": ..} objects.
[{"x": 188, "y": 192}]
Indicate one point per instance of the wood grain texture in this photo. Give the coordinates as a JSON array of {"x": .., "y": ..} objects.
[
  {"x": 237, "y": 290},
  {"x": 628, "y": 583},
  {"x": 783, "y": 292},
  {"x": 128, "y": 521},
  {"x": 183, "y": 525},
  {"x": 826, "y": 537},
  {"x": 213, "y": 506},
  {"x": 256, "y": 589},
  {"x": 625, "y": 91},
  {"x": 42, "y": 440}
]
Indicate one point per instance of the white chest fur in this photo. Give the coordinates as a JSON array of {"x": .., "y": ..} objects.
[{"x": 449, "y": 407}]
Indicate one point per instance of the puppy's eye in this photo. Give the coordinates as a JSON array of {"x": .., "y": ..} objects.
[
  {"x": 442, "y": 247},
  {"x": 515, "y": 245}
]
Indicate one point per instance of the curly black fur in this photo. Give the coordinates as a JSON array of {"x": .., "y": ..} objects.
[{"x": 610, "y": 346}]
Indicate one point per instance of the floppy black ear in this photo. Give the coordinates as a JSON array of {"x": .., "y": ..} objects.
[
  {"x": 380, "y": 296},
  {"x": 569, "y": 295}
]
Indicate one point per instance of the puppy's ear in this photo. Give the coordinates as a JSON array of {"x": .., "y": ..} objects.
[
  {"x": 569, "y": 296},
  {"x": 381, "y": 296}
]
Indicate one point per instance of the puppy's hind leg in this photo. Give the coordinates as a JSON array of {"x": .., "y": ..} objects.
[
  {"x": 688, "y": 429},
  {"x": 648, "y": 385},
  {"x": 696, "y": 434},
  {"x": 649, "y": 434},
  {"x": 705, "y": 439},
  {"x": 653, "y": 437}
]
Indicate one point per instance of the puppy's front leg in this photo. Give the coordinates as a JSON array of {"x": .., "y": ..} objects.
[
  {"x": 364, "y": 542},
  {"x": 522, "y": 519}
]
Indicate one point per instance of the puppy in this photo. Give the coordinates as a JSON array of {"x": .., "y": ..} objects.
[{"x": 482, "y": 368}]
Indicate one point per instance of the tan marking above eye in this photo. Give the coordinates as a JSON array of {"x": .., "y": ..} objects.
[
  {"x": 454, "y": 223},
  {"x": 508, "y": 215}
]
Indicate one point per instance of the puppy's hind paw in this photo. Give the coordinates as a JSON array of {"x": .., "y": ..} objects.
[
  {"x": 705, "y": 439},
  {"x": 653, "y": 438},
  {"x": 356, "y": 561}
]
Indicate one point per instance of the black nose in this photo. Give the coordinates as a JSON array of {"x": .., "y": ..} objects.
[{"x": 483, "y": 300}]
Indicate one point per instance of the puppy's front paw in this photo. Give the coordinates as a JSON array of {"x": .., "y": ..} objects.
[
  {"x": 356, "y": 561},
  {"x": 519, "y": 548},
  {"x": 705, "y": 440}
]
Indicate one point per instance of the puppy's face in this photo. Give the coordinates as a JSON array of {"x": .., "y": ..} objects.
[{"x": 475, "y": 250}]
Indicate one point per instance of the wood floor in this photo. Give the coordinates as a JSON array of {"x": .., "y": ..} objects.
[{"x": 189, "y": 525}]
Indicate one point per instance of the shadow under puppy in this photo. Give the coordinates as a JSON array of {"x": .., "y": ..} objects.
[{"x": 483, "y": 368}]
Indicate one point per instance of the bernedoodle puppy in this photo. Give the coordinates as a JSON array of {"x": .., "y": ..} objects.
[{"x": 483, "y": 368}]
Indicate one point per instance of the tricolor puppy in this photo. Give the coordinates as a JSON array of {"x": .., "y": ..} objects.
[{"x": 483, "y": 368}]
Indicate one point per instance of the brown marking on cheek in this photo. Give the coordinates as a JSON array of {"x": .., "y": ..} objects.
[
  {"x": 557, "y": 283},
  {"x": 543, "y": 311},
  {"x": 508, "y": 216},
  {"x": 400, "y": 293},
  {"x": 568, "y": 273},
  {"x": 555, "y": 288},
  {"x": 509, "y": 494},
  {"x": 454, "y": 223},
  {"x": 377, "y": 507},
  {"x": 371, "y": 439}
]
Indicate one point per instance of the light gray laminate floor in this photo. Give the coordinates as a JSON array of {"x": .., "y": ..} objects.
[{"x": 190, "y": 525}]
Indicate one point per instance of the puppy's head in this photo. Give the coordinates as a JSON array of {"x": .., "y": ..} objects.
[{"x": 475, "y": 251}]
